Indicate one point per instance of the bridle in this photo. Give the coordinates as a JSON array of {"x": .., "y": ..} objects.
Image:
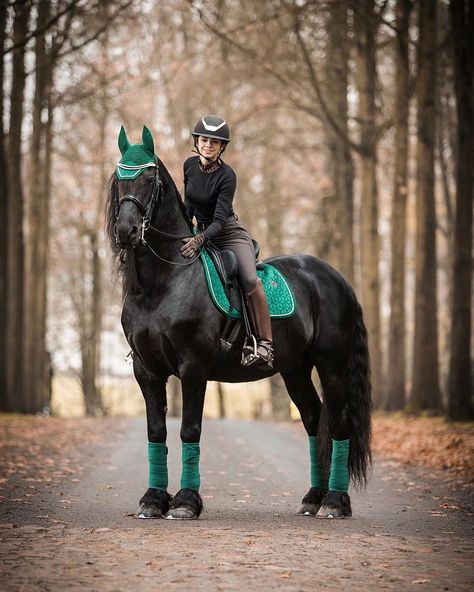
[{"x": 156, "y": 198}]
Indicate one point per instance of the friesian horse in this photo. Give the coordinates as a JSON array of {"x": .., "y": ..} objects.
[{"x": 173, "y": 328}]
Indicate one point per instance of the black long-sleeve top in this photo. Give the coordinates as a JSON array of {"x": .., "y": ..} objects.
[{"x": 209, "y": 196}]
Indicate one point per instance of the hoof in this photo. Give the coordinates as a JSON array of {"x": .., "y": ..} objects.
[
  {"x": 154, "y": 504},
  {"x": 186, "y": 505},
  {"x": 181, "y": 513},
  {"x": 308, "y": 510},
  {"x": 335, "y": 505},
  {"x": 311, "y": 502},
  {"x": 326, "y": 512}
]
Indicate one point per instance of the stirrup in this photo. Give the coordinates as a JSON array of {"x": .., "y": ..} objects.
[
  {"x": 249, "y": 351},
  {"x": 250, "y": 354}
]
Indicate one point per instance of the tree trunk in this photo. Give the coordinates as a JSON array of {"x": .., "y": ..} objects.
[
  {"x": 174, "y": 396},
  {"x": 90, "y": 342},
  {"x": 15, "y": 247},
  {"x": 340, "y": 158},
  {"x": 459, "y": 385},
  {"x": 36, "y": 245},
  {"x": 279, "y": 399},
  {"x": 221, "y": 400},
  {"x": 365, "y": 28},
  {"x": 4, "y": 406},
  {"x": 426, "y": 392},
  {"x": 47, "y": 368},
  {"x": 395, "y": 387}
]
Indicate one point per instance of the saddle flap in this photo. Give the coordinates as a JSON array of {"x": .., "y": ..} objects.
[{"x": 225, "y": 262}]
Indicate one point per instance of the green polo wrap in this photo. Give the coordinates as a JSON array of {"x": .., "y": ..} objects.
[
  {"x": 339, "y": 476},
  {"x": 190, "y": 478},
  {"x": 316, "y": 476},
  {"x": 158, "y": 465}
]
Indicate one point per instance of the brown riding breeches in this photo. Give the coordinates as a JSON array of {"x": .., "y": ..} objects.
[{"x": 235, "y": 238}]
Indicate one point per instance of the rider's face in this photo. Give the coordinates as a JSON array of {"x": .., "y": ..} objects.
[{"x": 209, "y": 147}]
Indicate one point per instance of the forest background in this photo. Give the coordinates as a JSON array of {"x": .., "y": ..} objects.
[{"x": 352, "y": 128}]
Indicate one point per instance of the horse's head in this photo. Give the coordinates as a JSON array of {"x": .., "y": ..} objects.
[{"x": 137, "y": 188}]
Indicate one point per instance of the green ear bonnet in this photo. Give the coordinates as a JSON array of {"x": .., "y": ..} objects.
[{"x": 135, "y": 157}]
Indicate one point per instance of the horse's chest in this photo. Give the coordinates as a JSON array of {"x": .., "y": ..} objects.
[{"x": 147, "y": 330}]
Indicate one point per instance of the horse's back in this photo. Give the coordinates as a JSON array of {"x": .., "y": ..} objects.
[
  {"x": 328, "y": 300},
  {"x": 316, "y": 274}
]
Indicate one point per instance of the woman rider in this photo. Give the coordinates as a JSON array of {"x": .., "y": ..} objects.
[{"x": 209, "y": 187}]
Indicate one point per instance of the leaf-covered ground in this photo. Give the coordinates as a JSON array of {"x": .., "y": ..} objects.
[
  {"x": 45, "y": 450},
  {"x": 70, "y": 487},
  {"x": 426, "y": 441}
]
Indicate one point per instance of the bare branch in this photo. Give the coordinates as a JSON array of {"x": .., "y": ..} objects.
[
  {"x": 68, "y": 8},
  {"x": 317, "y": 88}
]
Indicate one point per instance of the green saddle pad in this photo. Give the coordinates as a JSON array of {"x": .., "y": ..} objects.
[{"x": 281, "y": 301}]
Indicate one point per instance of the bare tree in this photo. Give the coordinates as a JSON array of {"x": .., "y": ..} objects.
[
  {"x": 365, "y": 26},
  {"x": 14, "y": 302},
  {"x": 395, "y": 387},
  {"x": 339, "y": 153},
  {"x": 425, "y": 391},
  {"x": 460, "y": 380},
  {"x": 36, "y": 248},
  {"x": 4, "y": 398}
]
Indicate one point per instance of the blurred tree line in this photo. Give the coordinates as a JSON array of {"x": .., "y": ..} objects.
[{"x": 352, "y": 136}]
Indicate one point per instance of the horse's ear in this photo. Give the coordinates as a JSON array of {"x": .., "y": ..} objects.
[
  {"x": 147, "y": 140},
  {"x": 123, "y": 142}
]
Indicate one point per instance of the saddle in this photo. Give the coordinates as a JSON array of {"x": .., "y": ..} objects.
[
  {"x": 226, "y": 265},
  {"x": 220, "y": 269}
]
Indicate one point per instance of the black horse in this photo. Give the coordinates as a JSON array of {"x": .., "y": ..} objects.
[{"x": 173, "y": 328}]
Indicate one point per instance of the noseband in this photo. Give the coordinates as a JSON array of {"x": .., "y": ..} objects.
[{"x": 147, "y": 213}]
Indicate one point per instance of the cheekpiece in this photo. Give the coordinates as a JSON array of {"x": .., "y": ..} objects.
[{"x": 136, "y": 158}]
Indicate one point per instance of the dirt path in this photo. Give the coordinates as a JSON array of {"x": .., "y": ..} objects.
[{"x": 408, "y": 531}]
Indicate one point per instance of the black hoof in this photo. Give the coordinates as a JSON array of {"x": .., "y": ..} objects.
[
  {"x": 186, "y": 505},
  {"x": 311, "y": 502},
  {"x": 335, "y": 504},
  {"x": 154, "y": 504}
]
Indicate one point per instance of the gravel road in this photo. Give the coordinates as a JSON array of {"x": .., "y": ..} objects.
[{"x": 408, "y": 532}]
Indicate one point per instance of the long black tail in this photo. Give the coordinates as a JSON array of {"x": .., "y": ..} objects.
[{"x": 359, "y": 403}]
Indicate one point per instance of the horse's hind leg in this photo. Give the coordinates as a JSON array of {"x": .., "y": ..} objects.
[
  {"x": 155, "y": 503},
  {"x": 303, "y": 394},
  {"x": 333, "y": 375}
]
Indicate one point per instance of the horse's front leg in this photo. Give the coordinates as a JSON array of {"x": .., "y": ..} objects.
[
  {"x": 156, "y": 501},
  {"x": 187, "y": 503}
]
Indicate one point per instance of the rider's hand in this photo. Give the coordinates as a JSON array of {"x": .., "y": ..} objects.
[{"x": 192, "y": 245}]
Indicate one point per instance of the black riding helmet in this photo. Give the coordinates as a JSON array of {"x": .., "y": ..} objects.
[{"x": 212, "y": 126}]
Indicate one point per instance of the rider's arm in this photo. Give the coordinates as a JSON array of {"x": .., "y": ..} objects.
[{"x": 223, "y": 204}]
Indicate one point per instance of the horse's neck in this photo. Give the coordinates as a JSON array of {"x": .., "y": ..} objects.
[
  {"x": 152, "y": 269},
  {"x": 170, "y": 217}
]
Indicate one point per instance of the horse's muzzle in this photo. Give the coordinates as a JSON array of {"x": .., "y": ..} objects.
[{"x": 127, "y": 236}]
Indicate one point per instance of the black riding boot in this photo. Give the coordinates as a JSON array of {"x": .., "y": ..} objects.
[{"x": 259, "y": 314}]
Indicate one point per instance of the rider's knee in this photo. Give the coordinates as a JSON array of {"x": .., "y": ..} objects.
[{"x": 249, "y": 284}]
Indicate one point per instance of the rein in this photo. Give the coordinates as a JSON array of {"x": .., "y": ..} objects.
[{"x": 147, "y": 212}]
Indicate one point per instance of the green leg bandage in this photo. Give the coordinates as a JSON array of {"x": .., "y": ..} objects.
[
  {"x": 190, "y": 478},
  {"x": 339, "y": 476},
  {"x": 157, "y": 465},
  {"x": 316, "y": 476}
]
